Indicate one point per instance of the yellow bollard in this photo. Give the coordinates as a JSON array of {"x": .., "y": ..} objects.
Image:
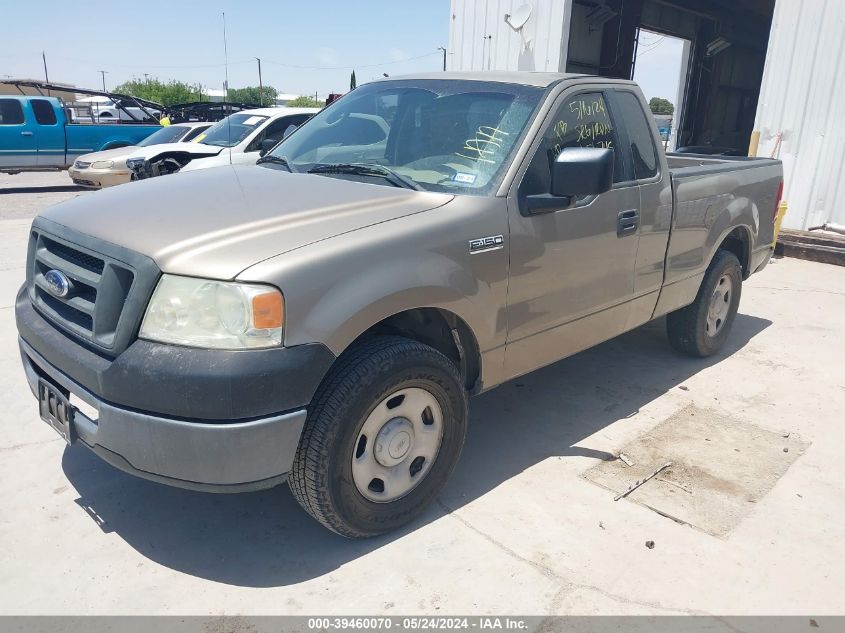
[
  {"x": 754, "y": 143},
  {"x": 779, "y": 219}
]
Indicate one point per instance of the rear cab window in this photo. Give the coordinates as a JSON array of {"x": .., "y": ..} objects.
[
  {"x": 11, "y": 112},
  {"x": 643, "y": 154},
  {"x": 44, "y": 112}
]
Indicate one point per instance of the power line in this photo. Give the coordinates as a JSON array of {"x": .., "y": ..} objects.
[
  {"x": 648, "y": 48},
  {"x": 395, "y": 61}
]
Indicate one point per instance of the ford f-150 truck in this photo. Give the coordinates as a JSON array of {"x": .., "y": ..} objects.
[
  {"x": 322, "y": 317},
  {"x": 36, "y": 135}
]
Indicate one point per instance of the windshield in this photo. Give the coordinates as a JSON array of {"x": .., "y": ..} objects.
[
  {"x": 232, "y": 130},
  {"x": 444, "y": 135},
  {"x": 169, "y": 134}
]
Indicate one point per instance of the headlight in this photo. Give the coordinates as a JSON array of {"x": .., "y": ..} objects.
[
  {"x": 102, "y": 164},
  {"x": 214, "y": 314}
]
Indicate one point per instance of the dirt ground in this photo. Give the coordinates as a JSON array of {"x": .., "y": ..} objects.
[{"x": 527, "y": 525}]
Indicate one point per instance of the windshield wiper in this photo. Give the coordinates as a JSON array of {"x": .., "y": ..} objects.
[
  {"x": 366, "y": 169},
  {"x": 277, "y": 160}
]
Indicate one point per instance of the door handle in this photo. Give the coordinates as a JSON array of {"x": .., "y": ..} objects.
[
  {"x": 627, "y": 222},
  {"x": 26, "y": 133}
]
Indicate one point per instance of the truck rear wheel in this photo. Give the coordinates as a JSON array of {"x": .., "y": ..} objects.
[
  {"x": 701, "y": 328},
  {"x": 383, "y": 434}
]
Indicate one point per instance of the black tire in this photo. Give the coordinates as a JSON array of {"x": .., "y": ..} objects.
[
  {"x": 321, "y": 476},
  {"x": 687, "y": 327}
]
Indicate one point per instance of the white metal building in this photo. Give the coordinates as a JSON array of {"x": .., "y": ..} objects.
[{"x": 774, "y": 66}]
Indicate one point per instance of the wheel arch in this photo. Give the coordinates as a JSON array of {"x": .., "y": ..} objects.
[
  {"x": 114, "y": 145},
  {"x": 737, "y": 241},
  {"x": 439, "y": 328}
]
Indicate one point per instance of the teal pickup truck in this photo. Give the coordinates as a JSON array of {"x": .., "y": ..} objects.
[{"x": 38, "y": 134}]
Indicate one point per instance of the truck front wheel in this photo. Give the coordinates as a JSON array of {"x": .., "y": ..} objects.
[
  {"x": 701, "y": 328},
  {"x": 383, "y": 434}
]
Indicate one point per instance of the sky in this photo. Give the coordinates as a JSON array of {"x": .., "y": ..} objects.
[
  {"x": 658, "y": 65},
  {"x": 305, "y": 47}
]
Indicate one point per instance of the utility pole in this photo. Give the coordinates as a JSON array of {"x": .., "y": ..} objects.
[
  {"x": 103, "y": 73},
  {"x": 440, "y": 48},
  {"x": 260, "y": 84},
  {"x": 44, "y": 59}
]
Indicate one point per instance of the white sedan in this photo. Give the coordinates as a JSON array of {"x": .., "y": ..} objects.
[{"x": 241, "y": 138}]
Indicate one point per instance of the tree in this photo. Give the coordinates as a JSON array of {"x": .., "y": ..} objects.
[
  {"x": 253, "y": 95},
  {"x": 160, "y": 92},
  {"x": 658, "y": 105},
  {"x": 304, "y": 102},
  {"x": 352, "y": 82}
]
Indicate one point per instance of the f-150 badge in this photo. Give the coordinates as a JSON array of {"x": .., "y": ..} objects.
[{"x": 484, "y": 244}]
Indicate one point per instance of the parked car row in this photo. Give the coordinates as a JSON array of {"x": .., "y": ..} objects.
[
  {"x": 43, "y": 133},
  {"x": 240, "y": 138}
]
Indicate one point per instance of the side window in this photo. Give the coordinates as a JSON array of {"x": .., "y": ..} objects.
[
  {"x": 274, "y": 131},
  {"x": 582, "y": 121},
  {"x": 286, "y": 126},
  {"x": 44, "y": 113},
  {"x": 11, "y": 112},
  {"x": 643, "y": 154},
  {"x": 278, "y": 129}
]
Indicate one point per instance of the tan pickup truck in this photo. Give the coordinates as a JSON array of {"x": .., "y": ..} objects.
[{"x": 322, "y": 317}]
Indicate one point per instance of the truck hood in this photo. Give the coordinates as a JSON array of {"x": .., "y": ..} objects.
[{"x": 217, "y": 222}]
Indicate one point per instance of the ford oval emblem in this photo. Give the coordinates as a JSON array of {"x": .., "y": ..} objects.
[{"x": 57, "y": 283}]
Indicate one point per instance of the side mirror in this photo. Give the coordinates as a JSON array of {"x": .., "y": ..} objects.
[
  {"x": 582, "y": 171},
  {"x": 267, "y": 144},
  {"x": 578, "y": 171}
]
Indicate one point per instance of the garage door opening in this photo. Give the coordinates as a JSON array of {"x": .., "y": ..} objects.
[
  {"x": 720, "y": 81},
  {"x": 660, "y": 68}
]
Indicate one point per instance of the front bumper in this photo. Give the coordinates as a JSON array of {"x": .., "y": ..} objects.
[
  {"x": 192, "y": 418},
  {"x": 98, "y": 178}
]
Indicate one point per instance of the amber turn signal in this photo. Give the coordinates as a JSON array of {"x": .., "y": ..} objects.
[{"x": 267, "y": 310}]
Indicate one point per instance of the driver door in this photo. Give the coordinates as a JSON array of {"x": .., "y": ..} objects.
[{"x": 572, "y": 268}]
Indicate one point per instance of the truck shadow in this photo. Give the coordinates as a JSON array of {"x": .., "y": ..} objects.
[{"x": 263, "y": 539}]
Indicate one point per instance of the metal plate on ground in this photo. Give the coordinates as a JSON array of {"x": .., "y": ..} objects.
[{"x": 721, "y": 467}]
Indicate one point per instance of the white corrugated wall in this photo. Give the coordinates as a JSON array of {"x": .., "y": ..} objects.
[
  {"x": 480, "y": 39},
  {"x": 802, "y": 98}
]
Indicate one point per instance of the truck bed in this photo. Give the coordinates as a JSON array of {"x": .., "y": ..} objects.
[{"x": 711, "y": 194}]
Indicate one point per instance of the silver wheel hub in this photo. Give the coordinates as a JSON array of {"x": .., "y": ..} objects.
[
  {"x": 394, "y": 441},
  {"x": 397, "y": 444},
  {"x": 720, "y": 305}
]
